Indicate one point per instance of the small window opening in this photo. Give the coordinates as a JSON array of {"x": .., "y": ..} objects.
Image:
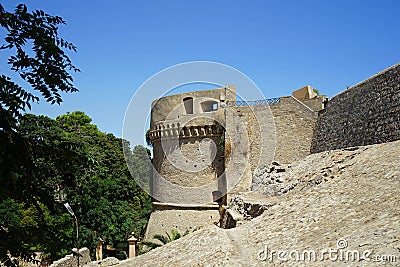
[
  {"x": 208, "y": 106},
  {"x": 188, "y": 103}
]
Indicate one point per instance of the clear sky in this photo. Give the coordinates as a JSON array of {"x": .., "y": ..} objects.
[{"x": 281, "y": 45}]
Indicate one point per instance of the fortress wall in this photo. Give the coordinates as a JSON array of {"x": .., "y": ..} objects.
[
  {"x": 171, "y": 109},
  {"x": 196, "y": 166},
  {"x": 364, "y": 114},
  {"x": 187, "y": 162},
  {"x": 281, "y": 131},
  {"x": 165, "y": 218},
  {"x": 187, "y": 147},
  {"x": 294, "y": 123},
  {"x": 250, "y": 142}
]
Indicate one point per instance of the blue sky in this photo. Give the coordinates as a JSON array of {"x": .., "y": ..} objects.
[{"x": 280, "y": 45}]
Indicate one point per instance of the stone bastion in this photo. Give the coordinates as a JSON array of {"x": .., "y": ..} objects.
[{"x": 206, "y": 145}]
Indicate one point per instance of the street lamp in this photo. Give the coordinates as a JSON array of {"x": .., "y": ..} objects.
[{"x": 76, "y": 224}]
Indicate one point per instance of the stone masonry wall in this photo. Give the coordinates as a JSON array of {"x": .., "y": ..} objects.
[
  {"x": 281, "y": 131},
  {"x": 294, "y": 124},
  {"x": 364, "y": 114},
  {"x": 250, "y": 141},
  {"x": 165, "y": 218},
  {"x": 186, "y": 136}
]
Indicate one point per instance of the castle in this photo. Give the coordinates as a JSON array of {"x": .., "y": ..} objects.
[{"x": 206, "y": 144}]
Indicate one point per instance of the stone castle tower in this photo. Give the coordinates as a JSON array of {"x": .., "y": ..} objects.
[{"x": 206, "y": 145}]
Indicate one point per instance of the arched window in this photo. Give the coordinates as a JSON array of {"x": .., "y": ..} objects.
[{"x": 188, "y": 103}]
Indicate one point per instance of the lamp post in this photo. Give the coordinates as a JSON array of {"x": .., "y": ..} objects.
[{"x": 76, "y": 225}]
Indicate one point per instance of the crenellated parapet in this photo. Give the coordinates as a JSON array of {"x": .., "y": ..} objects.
[{"x": 176, "y": 131}]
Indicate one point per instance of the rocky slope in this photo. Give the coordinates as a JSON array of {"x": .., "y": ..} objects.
[{"x": 343, "y": 207}]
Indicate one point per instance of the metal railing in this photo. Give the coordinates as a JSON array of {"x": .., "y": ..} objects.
[{"x": 268, "y": 101}]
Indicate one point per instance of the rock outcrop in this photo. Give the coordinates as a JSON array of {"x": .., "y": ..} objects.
[
  {"x": 342, "y": 209},
  {"x": 273, "y": 180},
  {"x": 71, "y": 260}
]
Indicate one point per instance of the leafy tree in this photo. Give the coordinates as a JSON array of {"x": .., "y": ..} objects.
[
  {"x": 68, "y": 156},
  {"x": 140, "y": 165},
  {"x": 27, "y": 173},
  {"x": 148, "y": 139},
  {"x": 72, "y": 157},
  {"x": 39, "y": 59},
  {"x": 106, "y": 197},
  {"x": 31, "y": 188}
]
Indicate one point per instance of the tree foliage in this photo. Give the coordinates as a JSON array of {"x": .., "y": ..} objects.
[
  {"x": 35, "y": 153},
  {"x": 38, "y": 57},
  {"x": 46, "y": 158},
  {"x": 105, "y": 195},
  {"x": 72, "y": 161},
  {"x": 43, "y": 161}
]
